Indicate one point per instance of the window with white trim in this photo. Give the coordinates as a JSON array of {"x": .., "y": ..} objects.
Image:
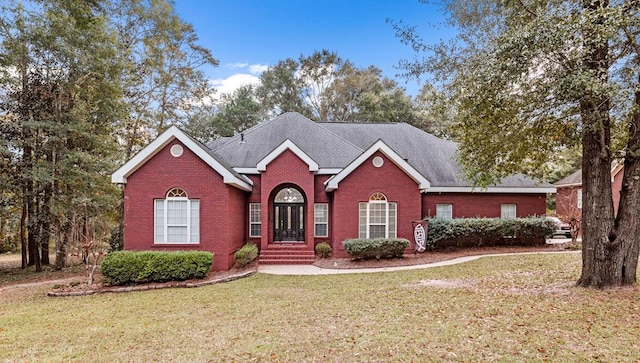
[
  {"x": 507, "y": 211},
  {"x": 321, "y": 219},
  {"x": 444, "y": 211},
  {"x": 377, "y": 217},
  {"x": 255, "y": 219},
  {"x": 177, "y": 218}
]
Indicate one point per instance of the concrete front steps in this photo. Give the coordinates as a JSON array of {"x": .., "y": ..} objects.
[{"x": 287, "y": 255}]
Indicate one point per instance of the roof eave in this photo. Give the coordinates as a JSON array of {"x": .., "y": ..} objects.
[
  {"x": 173, "y": 133},
  {"x": 494, "y": 189},
  {"x": 423, "y": 184},
  {"x": 287, "y": 145}
]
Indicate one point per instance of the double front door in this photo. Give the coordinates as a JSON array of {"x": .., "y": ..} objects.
[{"x": 288, "y": 222}]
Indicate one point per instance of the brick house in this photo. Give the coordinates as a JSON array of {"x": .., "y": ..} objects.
[
  {"x": 569, "y": 192},
  {"x": 290, "y": 183}
]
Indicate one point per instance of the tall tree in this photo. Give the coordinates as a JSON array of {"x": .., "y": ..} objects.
[
  {"x": 240, "y": 110},
  {"x": 58, "y": 100},
  {"x": 317, "y": 72},
  {"x": 386, "y": 103},
  {"x": 164, "y": 79},
  {"x": 233, "y": 114},
  {"x": 435, "y": 113},
  {"x": 324, "y": 87},
  {"x": 280, "y": 90},
  {"x": 529, "y": 78}
]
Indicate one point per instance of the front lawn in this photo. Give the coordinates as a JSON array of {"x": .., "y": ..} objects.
[{"x": 510, "y": 308}]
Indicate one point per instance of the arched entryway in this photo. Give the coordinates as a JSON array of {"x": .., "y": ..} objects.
[{"x": 288, "y": 215}]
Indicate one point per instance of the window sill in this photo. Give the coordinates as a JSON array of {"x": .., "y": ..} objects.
[{"x": 174, "y": 244}]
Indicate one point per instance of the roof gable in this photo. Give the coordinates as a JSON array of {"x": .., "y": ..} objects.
[
  {"x": 287, "y": 145},
  {"x": 173, "y": 133},
  {"x": 249, "y": 148},
  {"x": 423, "y": 183}
]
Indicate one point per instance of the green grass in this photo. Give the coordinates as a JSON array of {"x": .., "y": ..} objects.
[{"x": 511, "y": 308}]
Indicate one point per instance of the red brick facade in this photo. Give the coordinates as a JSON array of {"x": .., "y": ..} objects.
[
  {"x": 389, "y": 180},
  {"x": 224, "y": 208},
  {"x": 567, "y": 197},
  {"x": 616, "y": 187},
  {"x": 287, "y": 170},
  {"x": 567, "y": 202},
  {"x": 471, "y": 205}
]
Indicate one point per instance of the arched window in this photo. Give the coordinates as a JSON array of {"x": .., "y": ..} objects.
[
  {"x": 289, "y": 195},
  {"x": 177, "y": 193},
  {"x": 377, "y": 217},
  {"x": 177, "y": 218}
]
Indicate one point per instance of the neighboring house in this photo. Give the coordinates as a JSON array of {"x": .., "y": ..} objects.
[
  {"x": 290, "y": 183},
  {"x": 569, "y": 192}
]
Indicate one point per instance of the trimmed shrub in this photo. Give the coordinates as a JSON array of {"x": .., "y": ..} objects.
[
  {"x": 362, "y": 249},
  {"x": 131, "y": 267},
  {"x": 323, "y": 249},
  {"x": 245, "y": 255},
  {"x": 478, "y": 232}
]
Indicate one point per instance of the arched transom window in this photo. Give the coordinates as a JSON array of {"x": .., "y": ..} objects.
[
  {"x": 377, "y": 217},
  {"x": 377, "y": 197},
  {"x": 177, "y": 218},
  {"x": 177, "y": 193},
  {"x": 289, "y": 195}
]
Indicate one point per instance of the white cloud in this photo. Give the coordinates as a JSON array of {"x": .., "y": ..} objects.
[
  {"x": 247, "y": 74},
  {"x": 236, "y": 65},
  {"x": 258, "y": 68},
  {"x": 233, "y": 82}
]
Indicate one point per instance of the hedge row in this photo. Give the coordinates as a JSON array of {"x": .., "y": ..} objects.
[
  {"x": 361, "y": 249},
  {"x": 130, "y": 267},
  {"x": 478, "y": 232}
]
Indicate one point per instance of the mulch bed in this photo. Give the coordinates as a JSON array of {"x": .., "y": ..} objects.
[
  {"x": 213, "y": 277},
  {"x": 432, "y": 256}
]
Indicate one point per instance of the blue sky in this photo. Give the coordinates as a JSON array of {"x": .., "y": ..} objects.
[{"x": 246, "y": 36}]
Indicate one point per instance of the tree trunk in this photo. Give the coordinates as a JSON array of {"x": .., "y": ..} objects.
[
  {"x": 32, "y": 215},
  {"x": 64, "y": 234},
  {"x": 45, "y": 226},
  {"x": 602, "y": 252},
  {"x": 598, "y": 256},
  {"x": 34, "y": 251},
  {"x": 627, "y": 224},
  {"x": 24, "y": 244}
]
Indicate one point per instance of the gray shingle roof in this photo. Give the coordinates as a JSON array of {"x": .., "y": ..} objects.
[
  {"x": 219, "y": 159},
  {"x": 335, "y": 145},
  {"x": 573, "y": 179},
  {"x": 431, "y": 156},
  {"x": 323, "y": 146}
]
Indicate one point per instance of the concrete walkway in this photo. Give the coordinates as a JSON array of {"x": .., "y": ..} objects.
[{"x": 314, "y": 270}]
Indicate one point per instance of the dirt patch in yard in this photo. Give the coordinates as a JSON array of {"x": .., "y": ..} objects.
[{"x": 442, "y": 284}]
